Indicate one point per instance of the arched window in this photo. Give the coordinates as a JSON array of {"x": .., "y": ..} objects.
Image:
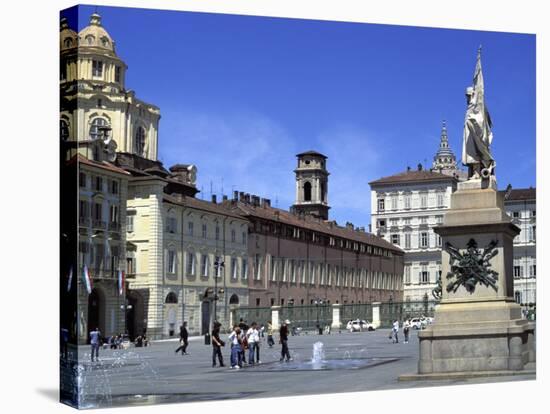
[
  {"x": 95, "y": 132},
  {"x": 140, "y": 141},
  {"x": 234, "y": 300},
  {"x": 307, "y": 191},
  {"x": 64, "y": 130},
  {"x": 171, "y": 298},
  {"x": 68, "y": 42},
  {"x": 323, "y": 192},
  {"x": 90, "y": 39}
]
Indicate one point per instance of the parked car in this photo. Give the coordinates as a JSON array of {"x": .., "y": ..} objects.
[
  {"x": 419, "y": 323},
  {"x": 358, "y": 325}
]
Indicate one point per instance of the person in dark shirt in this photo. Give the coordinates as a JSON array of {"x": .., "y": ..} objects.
[
  {"x": 283, "y": 339},
  {"x": 217, "y": 344},
  {"x": 184, "y": 335}
]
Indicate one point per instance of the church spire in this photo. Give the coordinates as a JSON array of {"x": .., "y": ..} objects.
[{"x": 444, "y": 159}]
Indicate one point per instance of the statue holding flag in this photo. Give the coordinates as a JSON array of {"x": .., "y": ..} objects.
[{"x": 477, "y": 138}]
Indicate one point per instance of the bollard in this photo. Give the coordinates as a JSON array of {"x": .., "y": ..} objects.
[{"x": 207, "y": 338}]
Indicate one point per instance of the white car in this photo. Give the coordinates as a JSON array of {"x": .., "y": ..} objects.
[
  {"x": 359, "y": 325},
  {"x": 418, "y": 323}
]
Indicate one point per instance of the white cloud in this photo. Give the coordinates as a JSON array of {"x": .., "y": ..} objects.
[{"x": 249, "y": 151}]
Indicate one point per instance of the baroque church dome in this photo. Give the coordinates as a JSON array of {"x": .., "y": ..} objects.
[
  {"x": 94, "y": 35},
  {"x": 68, "y": 38}
]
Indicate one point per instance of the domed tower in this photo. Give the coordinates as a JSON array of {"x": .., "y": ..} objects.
[
  {"x": 94, "y": 98},
  {"x": 311, "y": 185},
  {"x": 444, "y": 159}
]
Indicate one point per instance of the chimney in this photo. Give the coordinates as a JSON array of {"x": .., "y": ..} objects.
[
  {"x": 255, "y": 200},
  {"x": 247, "y": 198},
  {"x": 267, "y": 202},
  {"x": 242, "y": 197},
  {"x": 235, "y": 195},
  {"x": 224, "y": 197},
  {"x": 349, "y": 225},
  {"x": 214, "y": 198}
]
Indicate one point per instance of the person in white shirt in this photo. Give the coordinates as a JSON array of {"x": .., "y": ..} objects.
[
  {"x": 395, "y": 331},
  {"x": 406, "y": 328},
  {"x": 234, "y": 338},
  {"x": 253, "y": 338}
]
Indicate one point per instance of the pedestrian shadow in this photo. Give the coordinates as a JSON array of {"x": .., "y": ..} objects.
[{"x": 50, "y": 393}]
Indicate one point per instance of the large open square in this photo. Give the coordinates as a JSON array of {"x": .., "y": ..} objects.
[{"x": 155, "y": 374}]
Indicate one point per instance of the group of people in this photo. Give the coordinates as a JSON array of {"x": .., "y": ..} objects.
[{"x": 394, "y": 333}]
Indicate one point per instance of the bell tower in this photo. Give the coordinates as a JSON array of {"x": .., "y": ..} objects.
[{"x": 311, "y": 185}]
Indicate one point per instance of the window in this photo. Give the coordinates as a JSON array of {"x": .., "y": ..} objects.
[
  {"x": 171, "y": 224},
  {"x": 97, "y": 211},
  {"x": 171, "y": 261},
  {"x": 424, "y": 240},
  {"x": 204, "y": 265},
  {"x": 97, "y": 68},
  {"x": 532, "y": 233},
  {"x": 82, "y": 179},
  {"x": 394, "y": 203},
  {"x": 97, "y": 123},
  {"x": 423, "y": 201},
  {"x": 381, "y": 223},
  {"x": 517, "y": 296},
  {"x": 407, "y": 275},
  {"x": 407, "y": 240},
  {"x": 424, "y": 220},
  {"x": 139, "y": 144},
  {"x": 307, "y": 191},
  {"x": 395, "y": 239},
  {"x": 312, "y": 275},
  {"x": 532, "y": 270},
  {"x": 218, "y": 266},
  {"x": 394, "y": 222},
  {"x": 380, "y": 204},
  {"x": 114, "y": 213},
  {"x": 244, "y": 269},
  {"x": 439, "y": 219},
  {"x": 190, "y": 228},
  {"x": 407, "y": 202},
  {"x": 130, "y": 265},
  {"x": 244, "y": 237},
  {"x": 217, "y": 232},
  {"x": 117, "y": 74},
  {"x": 257, "y": 267},
  {"x": 233, "y": 235},
  {"x": 292, "y": 271},
  {"x": 190, "y": 263},
  {"x": 440, "y": 200},
  {"x": 204, "y": 231},
  {"x": 424, "y": 275},
  {"x": 98, "y": 184},
  {"x": 63, "y": 130},
  {"x": 83, "y": 210},
  {"x": 515, "y": 214},
  {"x": 114, "y": 187},
  {"x": 234, "y": 269},
  {"x": 130, "y": 221},
  {"x": 534, "y": 213},
  {"x": 517, "y": 272},
  {"x": 68, "y": 42},
  {"x": 438, "y": 240},
  {"x": 99, "y": 103}
]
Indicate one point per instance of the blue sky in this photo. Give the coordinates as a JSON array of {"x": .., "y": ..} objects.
[{"x": 240, "y": 96}]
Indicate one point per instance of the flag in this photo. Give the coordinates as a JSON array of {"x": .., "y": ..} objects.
[
  {"x": 87, "y": 279},
  {"x": 70, "y": 282},
  {"x": 120, "y": 282}
]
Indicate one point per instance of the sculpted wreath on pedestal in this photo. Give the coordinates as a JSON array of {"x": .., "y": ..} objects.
[{"x": 471, "y": 267}]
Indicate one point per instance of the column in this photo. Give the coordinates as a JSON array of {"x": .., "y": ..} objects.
[
  {"x": 275, "y": 317},
  {"x": 336, "y": 324},
  {"x": 376, "y": 314}
]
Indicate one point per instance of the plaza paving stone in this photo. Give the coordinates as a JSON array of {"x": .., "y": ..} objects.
[{"x": 155, "y": 374}]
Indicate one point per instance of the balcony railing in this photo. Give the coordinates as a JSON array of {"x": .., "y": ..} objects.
[
  {"x": 99, "y": 224},
  {"x": 114, "y": 226}
]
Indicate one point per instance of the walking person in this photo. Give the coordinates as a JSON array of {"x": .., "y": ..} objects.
[
  {"x": 253, "y": 339},
  {"x": 283, "y": 339},
  {"x": 395, "y": 330},
  {"x": 184, "y": 335},
  {"x": 217, "y": 344},
  {"x": 406, "y": 327},
  {"x": 95, "y": 338},
  {"x": 270, "y": 340},
  {"x": 235, "y": 340}
]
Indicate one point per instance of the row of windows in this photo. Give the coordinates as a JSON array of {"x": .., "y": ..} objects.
[
  {"x": 526, "y": 214},
  {"x": 99, "y": 258},
  {"x": 519, "y": 271},
  {"x": 393, "y": 203},
  {"x": 407, "y": 221},
  {"x": 94, "y": 210},
  {"x": 283, "y": 270},
  {"x": 172, "y": 227},
  {"x": 296, "y": 233},
  {"x": 423, "y": 240},
  {"x": 97, "y": 183},
  {"x": 97, "y": 130},
  {"x": 423, "y": 275}
]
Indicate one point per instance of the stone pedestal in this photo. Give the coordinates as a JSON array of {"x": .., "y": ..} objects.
[
  {"x": 275, "y": 317},
  {"x": 376, "y": 314},
  {"x": 477, "y": 327},
  {"x": 336, "y": 324}
]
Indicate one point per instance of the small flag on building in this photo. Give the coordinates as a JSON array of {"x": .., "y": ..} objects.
[
  {"x": 120, "y": 282},
  {"x": 70, "y": 282},
  {"x": 87, "y": 279}
]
